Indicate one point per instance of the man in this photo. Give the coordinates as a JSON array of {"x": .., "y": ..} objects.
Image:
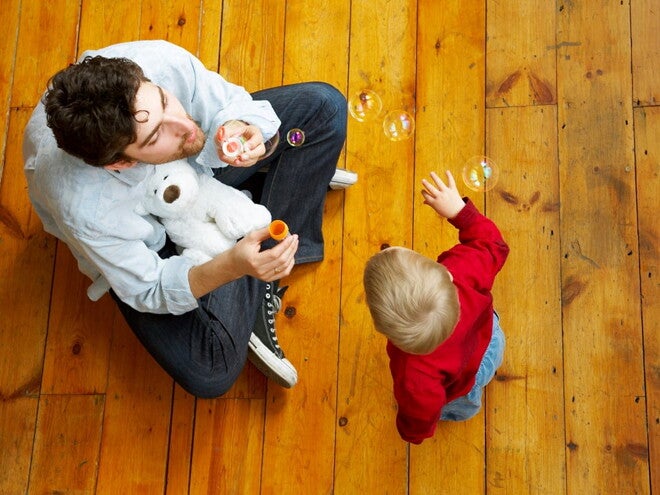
[{"x": 102, "y": 127}]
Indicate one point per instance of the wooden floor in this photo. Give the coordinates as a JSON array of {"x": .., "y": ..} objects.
[{"x": 562, "y": 96}]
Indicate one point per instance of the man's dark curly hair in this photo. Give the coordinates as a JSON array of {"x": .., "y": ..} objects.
[{"x": 90, "y": 108}]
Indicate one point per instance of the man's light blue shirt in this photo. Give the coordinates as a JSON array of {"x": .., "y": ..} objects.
[{"x": 91, "y": 209}]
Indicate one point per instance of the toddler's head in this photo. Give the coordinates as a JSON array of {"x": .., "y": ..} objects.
[{"x": 412, "y": 299}]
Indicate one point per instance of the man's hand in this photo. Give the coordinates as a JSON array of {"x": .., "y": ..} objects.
[
  {"x": 245, "y": 258},
  {"x": 268, "y": 265},
  {"x": 253, "y": 143},
  {"x": 444, "y": 199}
]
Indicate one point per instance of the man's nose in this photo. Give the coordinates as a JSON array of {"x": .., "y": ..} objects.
[{"x": 181, "y": 125}]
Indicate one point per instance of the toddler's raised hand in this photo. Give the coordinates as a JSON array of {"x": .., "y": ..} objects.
[{"x": 443, "y": 198}]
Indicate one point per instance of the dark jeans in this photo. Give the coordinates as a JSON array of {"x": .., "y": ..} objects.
[
  {"x": 205, "y": 349},
  {"x": 297, "y": 179}
]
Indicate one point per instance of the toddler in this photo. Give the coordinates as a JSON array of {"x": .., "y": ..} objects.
[{"x": 444, "y": 339}]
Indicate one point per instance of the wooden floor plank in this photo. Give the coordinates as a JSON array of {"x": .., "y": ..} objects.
[
  {"x": 310, "y": 324},
  {"x": 607, "y": 450},
  {"x": 451, "y": 67},
  {"x": 647, "y": 153},
  {"x": 521, "y": 61},
  {"x": 26, "y": 265},
  {"x": 176, "y": 21},
  {"x": 66, "y": 451},
  {"x": 429, "y": 466},
  {"x": 209, "y": 34},
  {"x": 451, "y": 115},
  {"x": 181, "y": 441},
  {"x": 104, "y": 23},
  {"x": 136, "y": 421},
  {"x": 525, "y": 445},
  {"x": 17, "y": 423},
  {"x": 26, "y": 260},
  {"x": 39, "y": 59},
  {"x": 223, "y": 429},
  {"x": 151, "y": 429},
  {"x": 246, "y": 58},
  {"x": 79, "y": 333},
  {"x": 252, "y": 43},
  {"x": 8, "y": 44},
  {"x": 382, "y": 58},
  {"x": 645, "y": 23}
]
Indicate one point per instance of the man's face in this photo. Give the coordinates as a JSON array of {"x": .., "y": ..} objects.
[{"x": 165, "y": 132}]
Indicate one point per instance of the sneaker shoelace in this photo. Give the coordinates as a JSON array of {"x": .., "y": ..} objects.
[{"x": 273, "y": 303}]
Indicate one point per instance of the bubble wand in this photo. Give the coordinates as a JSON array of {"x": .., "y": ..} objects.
[{"x": 231, "y": 147}]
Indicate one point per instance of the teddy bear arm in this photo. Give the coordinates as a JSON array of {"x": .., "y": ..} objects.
[
  {"x": 236, "y": 215},
  {"x": 199, "y": 235}
]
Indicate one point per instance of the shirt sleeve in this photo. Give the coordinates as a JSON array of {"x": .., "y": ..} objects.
[
  {"x": 220, "y": 101},
  {"x": 419, "y": 395},
  {"x": 139, "y": 276},
  {"x": 481, "y": 251}
]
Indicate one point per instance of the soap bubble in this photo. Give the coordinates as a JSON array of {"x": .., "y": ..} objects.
[
  {"x": 480, "y": 173},
  {"x": 398, "y": 125},
  {"x": 295, "y": 137},
  {"x": 365, "y": 105}
]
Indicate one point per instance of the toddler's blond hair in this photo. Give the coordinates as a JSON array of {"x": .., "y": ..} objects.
[{"x": 412, "y": 299}]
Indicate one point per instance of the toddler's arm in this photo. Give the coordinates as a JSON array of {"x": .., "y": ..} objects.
[{"x": 444, "y": 199}]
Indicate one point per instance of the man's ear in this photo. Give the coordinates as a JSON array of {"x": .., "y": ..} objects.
[{"x": 120, "y": 164}]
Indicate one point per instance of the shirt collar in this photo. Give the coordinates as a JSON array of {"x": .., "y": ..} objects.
[{"x": 133, "y": 175}]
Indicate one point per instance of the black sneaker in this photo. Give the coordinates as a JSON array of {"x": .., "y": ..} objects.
[{"x": 265, "y": 351}]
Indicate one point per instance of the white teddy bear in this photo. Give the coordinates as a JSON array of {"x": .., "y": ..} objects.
[{"x": 201, "y": 215}]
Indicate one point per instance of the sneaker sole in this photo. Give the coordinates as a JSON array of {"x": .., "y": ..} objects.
[{"x": 281, "y": 371}]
